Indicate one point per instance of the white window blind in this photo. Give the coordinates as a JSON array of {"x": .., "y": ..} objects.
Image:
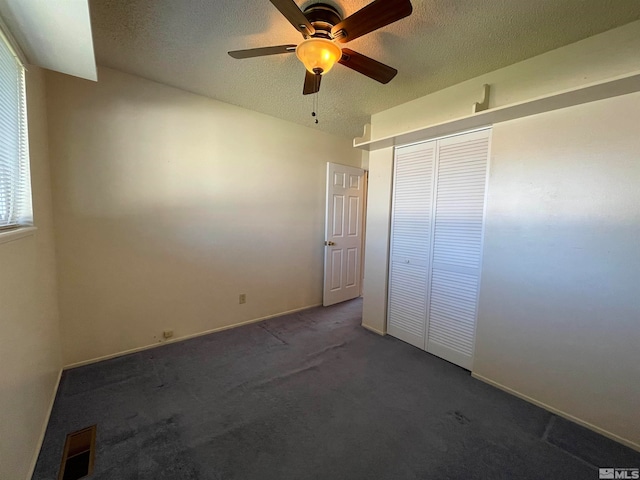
[{"x": 15, "y": 184}]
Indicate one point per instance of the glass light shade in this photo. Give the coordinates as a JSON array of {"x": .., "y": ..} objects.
[{"x": 318, "y": 53}]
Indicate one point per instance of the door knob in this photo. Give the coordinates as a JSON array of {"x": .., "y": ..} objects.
[{"x": 329, "y": 243}]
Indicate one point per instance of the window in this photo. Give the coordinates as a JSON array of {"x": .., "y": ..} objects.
[{"x": 15, "y": 184}]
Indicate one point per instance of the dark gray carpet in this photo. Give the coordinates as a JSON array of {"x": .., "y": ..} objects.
[{"x": 311, "y": 396}]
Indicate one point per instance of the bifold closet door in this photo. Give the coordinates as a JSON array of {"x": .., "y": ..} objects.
[
  {"x": 457, "y": 246},
  {"x": 410, "y": 242}
]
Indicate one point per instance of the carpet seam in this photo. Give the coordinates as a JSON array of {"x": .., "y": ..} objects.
[
  {"x": 264, "y": 327},
  {"x": 550, "y": 424},
  {"x": 567, "y": 452}
]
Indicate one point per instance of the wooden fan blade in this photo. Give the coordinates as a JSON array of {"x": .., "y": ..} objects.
[
  {"x": 367, "y": 66},
  {"x": 377, "y": 14},
  {"x": 311, "y": 83},
  {"x": 261, "y": 52},
  {"x": 292, "y": 12}
]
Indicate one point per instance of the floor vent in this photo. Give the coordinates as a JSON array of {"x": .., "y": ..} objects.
[{"x": 78, "y": 455}]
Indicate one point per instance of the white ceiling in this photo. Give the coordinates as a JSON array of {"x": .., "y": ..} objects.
[{"x": 184, "y": 44}]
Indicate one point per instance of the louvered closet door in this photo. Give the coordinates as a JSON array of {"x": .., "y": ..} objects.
[
  {"x": 410, "y": 242},
  {"x": 457, "y": 246}
]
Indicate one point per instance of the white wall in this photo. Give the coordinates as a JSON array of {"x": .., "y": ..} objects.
[
  {"x": 30, "y": 341},
  {"x": 577, "y": 382},
  {"x": 559, "y": 306},
  {"x": 169, "y": 205},
  {"x": 55, "y": 34}
]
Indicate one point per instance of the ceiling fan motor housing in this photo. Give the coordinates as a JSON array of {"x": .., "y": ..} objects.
[{"x": 323, "y": 17}]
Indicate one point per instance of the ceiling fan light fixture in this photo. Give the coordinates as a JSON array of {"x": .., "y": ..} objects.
[{"x": 318, "y": 55}]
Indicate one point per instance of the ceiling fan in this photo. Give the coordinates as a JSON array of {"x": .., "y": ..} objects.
[{"x": 324, "y": 29}]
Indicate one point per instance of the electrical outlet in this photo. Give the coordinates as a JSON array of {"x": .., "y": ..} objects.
[
  {"x": 167, "y": 333},
  {"x": 242, "y": 298}
]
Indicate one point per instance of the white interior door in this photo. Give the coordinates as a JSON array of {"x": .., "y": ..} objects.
[
  {"x": 410, "y": 250},
  {"x": 457, "y": 246},
  {"x": 343, "y": 233}
]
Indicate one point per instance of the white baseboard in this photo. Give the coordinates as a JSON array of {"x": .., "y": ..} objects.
[
  {"x": 185, "y": 337},
  {"x": 374, "y": 330},
  {"x": 44, "y": 427},
  {"x": 560, "y": 413}
]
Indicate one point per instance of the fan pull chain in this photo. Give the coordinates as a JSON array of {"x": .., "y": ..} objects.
[
  {"x": 314, "y": 113},
  {"x": 313, "y": 107}
]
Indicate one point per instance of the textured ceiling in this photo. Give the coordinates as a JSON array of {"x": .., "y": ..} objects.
[{"x": 184, "y": 44}]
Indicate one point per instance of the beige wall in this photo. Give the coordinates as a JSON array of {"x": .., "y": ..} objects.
[
  {"x": 30, "y": 341},
  {"x": 374, "y": 285},
  {"x": 565, "y": 342},
  {"x": 169, "y": 205},
  {"x": 593, "y": 59},
  {"x": 559, "y": 307},
  {"x": 599, "y": 57}
]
